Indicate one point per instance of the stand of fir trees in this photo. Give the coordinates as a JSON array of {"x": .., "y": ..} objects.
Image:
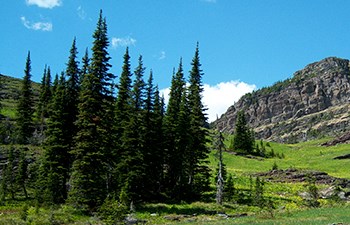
[{"x": 100, "y": 141}]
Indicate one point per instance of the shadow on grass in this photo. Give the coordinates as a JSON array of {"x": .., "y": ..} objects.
[{"x": 165, "y": 209}]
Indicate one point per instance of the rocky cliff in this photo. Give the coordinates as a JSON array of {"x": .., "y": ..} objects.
[{"x": 313, "y": 103}]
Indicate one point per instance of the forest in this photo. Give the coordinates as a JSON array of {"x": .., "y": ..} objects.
[{"x": 104, "y": 140}]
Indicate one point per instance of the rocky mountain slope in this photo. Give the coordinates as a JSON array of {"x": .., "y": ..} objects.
[{"x": 313, "y": 103}]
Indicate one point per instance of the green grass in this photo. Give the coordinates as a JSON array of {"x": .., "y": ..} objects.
[
  {"x": 289, "y": 206},
  {"x": 319, "y": 216},
  {"x": 9, "y": 94},
  {"x": 307, "y": 155}
]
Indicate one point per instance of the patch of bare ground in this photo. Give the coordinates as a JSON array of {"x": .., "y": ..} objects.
[
  {"x": 294, "y": 175},
  {"x": 345, "y": 138}
]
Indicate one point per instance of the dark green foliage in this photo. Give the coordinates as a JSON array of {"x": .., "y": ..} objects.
[
  {"x": 87, "y": 180},
  {"x": 258, "y": 195},
  {"x": 44, "y": 98},
  {"x": 229, "y": 189},
  {"x": 8, "y": 182},
  {"x": 124, "y": 121},
  {"x": 124, "y": 94},
  {"x": 22, "y": 171},
  {"x": 199, "y": 172},
  {"x": 243, "y": 140},
  {"x": 25, "y": 108},
  {"x": 174, "y": 133},
  {"x": 93, "y": 140},
  {"x": 61, "y": 128},
  {"x": 85, "y": 68},
  {"x": 71, "y": 95},
  {"x": 55, "y": 168},
  {"x": 99, "y": 145},
  {"x": 274, "y": 166},
  {"x": 153, "y": 141}
]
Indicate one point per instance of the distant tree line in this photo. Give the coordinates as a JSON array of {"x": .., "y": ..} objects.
[{"x": 102, "y": 140}]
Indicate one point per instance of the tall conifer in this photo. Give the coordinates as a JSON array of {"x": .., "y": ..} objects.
[
  {"x": 55, "y": 169},
  {"x": 199, "y": 171},
  {"x": 89, "y": 182},
  {"x": 173, "y": 132},
  {"x": 124, "y": 122},
  {"x": 71, "y": 96},
  {"x": 152, "y": 135},
  {"x": 25, "y": 107}
]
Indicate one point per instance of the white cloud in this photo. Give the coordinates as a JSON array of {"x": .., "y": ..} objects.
[
  {"x": 45, "y": 3},
  {"x": 220, "y": 97},
  {"x": 162, "y": 55},
  {"x": 81, "y": 13},
  {"x": 122, "y": 42},
  {"x": 43, "y": 26}
]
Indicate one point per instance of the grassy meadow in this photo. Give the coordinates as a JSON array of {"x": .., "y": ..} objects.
[{"x": 288, "y": 207}]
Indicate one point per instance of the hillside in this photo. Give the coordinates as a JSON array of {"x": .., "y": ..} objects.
[
  {"x": 313, "y": 103},
  {"x": 9, "y": 93}
]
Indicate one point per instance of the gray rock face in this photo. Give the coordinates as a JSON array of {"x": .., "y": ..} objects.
[{"x": 314, "y": 102}]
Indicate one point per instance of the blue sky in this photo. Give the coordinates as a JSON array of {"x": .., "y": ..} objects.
[{"x": 244, "y": 44}]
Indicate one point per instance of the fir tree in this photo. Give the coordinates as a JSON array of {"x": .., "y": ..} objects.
[
  {"x": 55, "y": 168},
  {"x": 89, "y": 183},
  {"x": 70, "y": 102},
  {"x": 44, "y": 100},
  {"x": 126, "y": 138},
  {"x": 131, "y": 167},
  {"x": 138, "y": 92},
  {"x": 152, "y": 135},
  {"x": 243, "y": 140},
  {"x": 25, "y": 107},
  {"x": 173, "y": 148},
  {"x": 123, "y": 101},
  {"x": 9, "y": 177},
  {"x": 22, "y": 171},
  {"x": 199, "y": 172},
  {"x": 73, "y": 88},
  {"x": 85, "y": 68}
]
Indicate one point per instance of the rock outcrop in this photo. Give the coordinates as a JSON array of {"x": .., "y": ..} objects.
[{"x": 314, "y": 102}]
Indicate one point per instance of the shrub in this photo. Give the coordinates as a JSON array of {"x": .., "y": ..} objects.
[{"x": 112, "y": 211}]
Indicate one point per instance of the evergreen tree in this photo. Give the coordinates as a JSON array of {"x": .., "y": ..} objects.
[
  {"x": 174, "y": 150},
  {"x": 243, "y": 140},
  {"x": 94, "y": 142},
  {"x": 131, "y": 167},
  {"x": 44, "y": 100},
  {"x": 72, "y": 93},
  {"x": 123, "y": 101},
  {"x": 138, "y": 92},
  {"x": 85, "y": 68},
  {"x": 22, "y": 171},
  {"x": 152, "y": 135},
  {"x": 40, "y": 110},
  {"x": 70, "y": 97},
  {"x": 229, "y": 188},
  {"x": 199, "y": 172},
  {"x": 87, "y": 182},
  {"x": 126, "y": 123},
  {"x": 9, "y": 177},
  {"x": 25, "y": 107},
  {"x": 55, "y": 168}
]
